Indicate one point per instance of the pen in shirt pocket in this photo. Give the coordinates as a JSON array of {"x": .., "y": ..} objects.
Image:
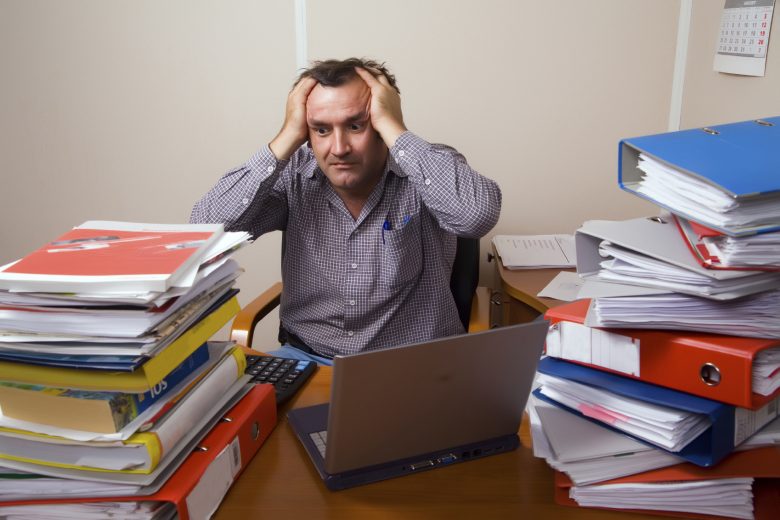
[{"x": 386, "y": 226}]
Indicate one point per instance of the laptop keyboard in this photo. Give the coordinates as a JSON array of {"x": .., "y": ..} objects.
[
  {"x": 287, "y": 375},
  {"x": 320, "y": 439}
]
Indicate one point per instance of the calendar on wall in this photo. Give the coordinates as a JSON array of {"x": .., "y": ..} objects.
[{"x": 744, "y": 37}]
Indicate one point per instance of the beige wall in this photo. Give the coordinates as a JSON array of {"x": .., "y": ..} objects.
[
  {"x": 714, "y": 98},
  {"x": 131, "y": 110}
]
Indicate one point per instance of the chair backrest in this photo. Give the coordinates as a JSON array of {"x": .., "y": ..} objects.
[{"x": 465, "y": 277}]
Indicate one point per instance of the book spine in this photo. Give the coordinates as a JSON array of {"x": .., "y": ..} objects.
[{"x": 126, "y": 407}]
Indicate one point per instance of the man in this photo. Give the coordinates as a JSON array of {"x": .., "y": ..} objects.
[{"x": 370, "y": 213}]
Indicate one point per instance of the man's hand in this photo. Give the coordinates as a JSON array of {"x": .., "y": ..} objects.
[
  {"x": 294, "y": 131},
  {"x": 384, "y": 106}
]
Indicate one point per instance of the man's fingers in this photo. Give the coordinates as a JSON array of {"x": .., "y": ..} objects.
[
  {"x": 304, "y": 86},
  {"x": 367, "y": 76}
]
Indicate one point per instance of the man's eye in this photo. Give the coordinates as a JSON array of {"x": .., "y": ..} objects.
[
  {"x": 321, "y": 131},
  {"x": 356, "y": 127}
]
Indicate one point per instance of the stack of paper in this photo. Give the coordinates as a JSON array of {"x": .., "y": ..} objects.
[
  {"x": 754, "y": 317},
  {"x": 535, "y": 251},
  {"x": 674, "y": 342},
  {"x": 703, "y": 201},
  {"x": 106, "y": 375}
]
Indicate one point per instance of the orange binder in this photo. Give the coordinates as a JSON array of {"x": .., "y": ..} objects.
[
  {"x": 207, "y": 473},
  {"x": 763, "y": 464},
  {"x": 713, "y": 366}
]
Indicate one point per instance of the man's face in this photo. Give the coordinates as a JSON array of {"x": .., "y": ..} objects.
[{"x": 347, "y": 148}]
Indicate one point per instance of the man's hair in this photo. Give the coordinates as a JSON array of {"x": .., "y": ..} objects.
[{"x": 334, "y": 73}]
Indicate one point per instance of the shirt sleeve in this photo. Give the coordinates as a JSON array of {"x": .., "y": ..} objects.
[
  {"x": 460, "y": 199},
  {"x": 249, "y": 198}
]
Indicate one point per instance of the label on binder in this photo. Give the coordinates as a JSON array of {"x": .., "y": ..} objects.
[{"x": 576, "y": 342}]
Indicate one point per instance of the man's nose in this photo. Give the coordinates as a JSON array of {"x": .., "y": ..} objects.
[{"x": 341, "y": 144}]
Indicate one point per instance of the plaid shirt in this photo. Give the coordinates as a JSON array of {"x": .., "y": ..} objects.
[{"x": 375, "y": 282}]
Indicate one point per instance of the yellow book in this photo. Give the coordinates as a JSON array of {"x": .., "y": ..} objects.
[
  {"x": 142, "y": 451},
  {"x": 138, "y": 381}
]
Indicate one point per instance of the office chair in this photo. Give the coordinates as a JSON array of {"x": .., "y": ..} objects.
[{"x": 472, "y": 301}]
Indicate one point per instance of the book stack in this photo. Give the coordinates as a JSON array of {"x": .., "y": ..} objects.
[
  {"x": 661, "y": 385},
  {"x": 108, "y": 379}
]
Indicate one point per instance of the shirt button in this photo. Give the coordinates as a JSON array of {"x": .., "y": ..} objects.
[
  {"x": 427, "y": 182},
  {"x": 270, "y": 169},
  {"x": 352, "y": 302},
  {"x": 244, "y": 201},
  {"x": 350, "y": 333},
  {"x": 401, "y": 153},
  {"x": 353, "y": 266}
]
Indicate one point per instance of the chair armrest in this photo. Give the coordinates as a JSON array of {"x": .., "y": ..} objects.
[
  {"x": 244, "y": 323},
  {"x": 480, "y": 310}
]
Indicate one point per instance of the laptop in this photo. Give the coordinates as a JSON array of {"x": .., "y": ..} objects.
[{"x": 419, "y": 407}]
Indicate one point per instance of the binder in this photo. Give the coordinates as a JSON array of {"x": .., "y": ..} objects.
[
  {"x": 740, "y": 158},
  {"x": 729, "y": 425},
  {"x": 209, "y": 470},
  {"x": 658, "y": 238},
  {"x": 761, "y": 463},
  {"x": 140, "y": 380},
  {"x": 712, "y": 366},
  {"x": 692, "y": 235}
]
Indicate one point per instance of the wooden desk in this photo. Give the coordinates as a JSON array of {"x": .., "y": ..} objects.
[
  {"x": 281, "y": 482},
  {"x": 520, "y": 286}
]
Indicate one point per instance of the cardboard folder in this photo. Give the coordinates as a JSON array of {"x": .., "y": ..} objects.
[
  {"x": 658, "y": 238},
  {"x": 198, "y": 486},
  {"x": 763, "y": 464},
  {"x": 729, "y": 425},
  {"x": 713, "y": 366},
  {"x": 740, "y": 158}
]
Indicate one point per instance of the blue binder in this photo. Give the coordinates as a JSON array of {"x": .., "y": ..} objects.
[
  {"x": 743, "y": 159},
  {"x": 706, "y": 450}
]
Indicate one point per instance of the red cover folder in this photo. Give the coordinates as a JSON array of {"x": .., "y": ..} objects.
[
  {"x": 692, "y": 234},
  {"x": 713, "y": 366},
  {"x": 763, "y": 464},
  {"x": 205, "y": 476}
]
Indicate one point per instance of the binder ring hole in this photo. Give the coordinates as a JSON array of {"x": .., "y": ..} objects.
[
  {"x": 659, "y": 220},
  {"x": 764, "y": 123},
  {"x": 201, "y": 448},
  {"x": 710, "y": 131},
  {"x": 226, "y": 419},
  {"x": 710, "y": 374},
  {"x": 255, "y": 431}
]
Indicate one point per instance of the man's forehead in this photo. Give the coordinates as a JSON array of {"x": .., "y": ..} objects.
[{"x": 350, "y": 95}]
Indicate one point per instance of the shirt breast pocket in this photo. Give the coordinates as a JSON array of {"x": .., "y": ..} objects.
[{"x": 401, "y": 256}]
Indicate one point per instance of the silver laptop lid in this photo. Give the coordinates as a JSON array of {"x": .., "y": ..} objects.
[{"x": 406, "y": 401}]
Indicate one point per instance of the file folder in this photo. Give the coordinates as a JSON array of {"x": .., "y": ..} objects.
[
  {"x": 200, "y": 483},
  {"x": 658, "y": 238},
  {"x": 708, "y": 365},
  {"x": 740, "y": 158},
  {"x": 763, "y": 464},
  {"x": 729, "y": 425},
  {"x": 693, "y": 233}
]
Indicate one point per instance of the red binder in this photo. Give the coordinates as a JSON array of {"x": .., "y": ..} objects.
[
  {"x": 686, "y": 361},
  {"x": 692, "y": 234},
  {"x": 201, "y": 481},
  {"x": 763, "y": 464}
]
